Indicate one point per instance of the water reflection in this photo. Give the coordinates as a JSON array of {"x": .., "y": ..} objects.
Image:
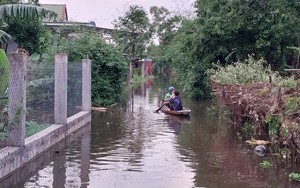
[
  {"x": 50, "y": 169},
  {"x": 136, "y": 148},
  {"x": 176, "y": 121}
]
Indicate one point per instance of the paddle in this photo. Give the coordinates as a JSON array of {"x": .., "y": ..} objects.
[{"x": 159, "y": 107}]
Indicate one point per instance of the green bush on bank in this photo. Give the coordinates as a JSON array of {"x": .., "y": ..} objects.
[{"x": 250, "y": 71}]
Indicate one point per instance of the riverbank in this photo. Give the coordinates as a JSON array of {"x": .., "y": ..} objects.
[
  {"x": 262, "y": 105},
  {"x": 264, "y": 111}
]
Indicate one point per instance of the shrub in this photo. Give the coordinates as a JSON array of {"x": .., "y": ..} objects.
[
  {"x": 108, "y": 66},
  {"x": 249, "y": 72}
]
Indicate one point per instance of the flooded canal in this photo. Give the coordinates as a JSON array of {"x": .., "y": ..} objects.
[{"x": 137, "y": 148}]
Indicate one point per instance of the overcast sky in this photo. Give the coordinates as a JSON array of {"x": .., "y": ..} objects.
[{"x": 103, "y": 12}]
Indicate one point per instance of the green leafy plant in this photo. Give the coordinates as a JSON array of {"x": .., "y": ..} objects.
[
  {"x": 32, "y": 128},
  {"x": 265, "y": 164},
  {"x": 288, "y": 82},
  {"x": 247, "y": 130},
  {"x": 294, "y": 176},
  {"x": 3, "y": 72},
  {"x": 132, "y": 31},
  {"x": 250, "y": 71},
  {"x": 274, "y": 122},
  {"x": 3, "y": 131},
  {"x": 29, "y": 34},
  {"x": 20, "y": 10},
  {"x": 291, "y": 104}
]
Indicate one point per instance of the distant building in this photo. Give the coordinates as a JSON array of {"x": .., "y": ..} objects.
[
  {"x": 59, "y": 9},
  {"x": 62, "y": 25}
]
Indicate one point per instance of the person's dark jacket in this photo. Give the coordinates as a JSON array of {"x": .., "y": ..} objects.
[{"x": 175, "y": 103}]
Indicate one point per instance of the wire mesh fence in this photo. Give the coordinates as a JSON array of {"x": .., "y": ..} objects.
[
  {"x": 38, "y": 90},
  {"x": 14, "y": 99},
  {"x": 3, "y": 119},
  {"x": 4, "y": 73},
  {"x": 74, "y": 88},
  {"x": 39, "y": 96}
]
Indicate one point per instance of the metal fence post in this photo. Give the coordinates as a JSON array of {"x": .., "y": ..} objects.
[
  {"x": 17, "y": 99},
  {"x": 86, "y": 85},
  {"x": 60, "y": 93}
]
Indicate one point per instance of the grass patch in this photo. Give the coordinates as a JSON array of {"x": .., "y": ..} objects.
[{"x": 32, "y": 128}]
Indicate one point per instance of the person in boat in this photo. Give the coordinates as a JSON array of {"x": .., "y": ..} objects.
[
  {"x": 175, "y": 102},
  {"x": 169, "y": 94}
]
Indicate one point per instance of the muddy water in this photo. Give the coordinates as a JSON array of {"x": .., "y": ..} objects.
[{"x": 136, "y": 148}]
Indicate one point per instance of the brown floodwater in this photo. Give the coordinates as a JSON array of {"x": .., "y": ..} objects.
[{"x": 134, "y": 147}]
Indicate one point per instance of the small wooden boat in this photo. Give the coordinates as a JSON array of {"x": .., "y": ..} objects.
[{"x": 184, "y": 112}]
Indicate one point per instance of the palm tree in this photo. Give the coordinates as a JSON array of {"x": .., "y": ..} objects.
[{"x": 20, "y": 10}]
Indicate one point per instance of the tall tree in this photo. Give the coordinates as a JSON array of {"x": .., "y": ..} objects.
[
  {"x": 165, "y": 24},
  {"x": 133, "y": 31},
  {"x": 240, "y": 27},
  {"x": 227, "y": 31}
]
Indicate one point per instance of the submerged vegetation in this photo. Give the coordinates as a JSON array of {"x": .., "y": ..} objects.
[{"x": 262, "y": 104}]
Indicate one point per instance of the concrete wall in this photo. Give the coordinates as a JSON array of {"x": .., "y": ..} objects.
[{"x": 13, "y": 158}]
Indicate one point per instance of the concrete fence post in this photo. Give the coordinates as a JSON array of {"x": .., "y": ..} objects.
[
  {"x": 143, "y": 67},
  {"x": 86, "y": 85},
  {"x": 16, "y": 99},
  {"x": 60, "y": 93}
]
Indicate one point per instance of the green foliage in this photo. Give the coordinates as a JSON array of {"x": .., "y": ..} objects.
[
  {"x": 3, "y": 131},
  {"x": 3, "y": 2},
  {"x": 29, "y": 33},
  {"x": 294, "y": 176},
  {"x": 132, "y": 31},
  {"x": 20, "y": 10},
  {"x": 291, "y": 104},
  {"x": 227, "y": 31},
  {"x": 250, "y": 71},
  {"x": 165, "y": 24},
  {"x": 273, "y": 122},
  {"x": 288, "y": 82},
  {"x": 4, "y": 118},
  {"x": 32, "y": 128},
  {"x": 108, "y": 65},
  {"x": 247, "y": 130},
  {"x": 284, "y": 132},
  {"x": 259, "y": 27},
  {"x": 189, "y": 69},
  {"x": 265, "y": 164},
  {"x": 137, "y": 80},
  {"x": 3, "y": 72}
]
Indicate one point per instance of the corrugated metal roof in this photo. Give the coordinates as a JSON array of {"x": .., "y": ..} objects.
[{"x": 59, "y": 9}]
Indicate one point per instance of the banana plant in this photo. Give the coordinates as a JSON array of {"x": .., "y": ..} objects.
[{"x": 20, "y": 10}]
